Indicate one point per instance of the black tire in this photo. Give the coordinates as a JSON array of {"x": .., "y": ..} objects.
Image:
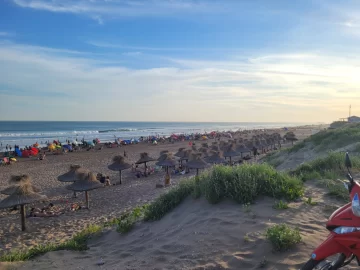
[
  {"x": 310, "y": 265},
  {"x": 340, "y": 261}
]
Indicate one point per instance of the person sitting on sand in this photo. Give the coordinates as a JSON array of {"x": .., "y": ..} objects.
[
  {"x": 34, "y": 212},
  {"x": 107, "y": 181},
  {"x": 42, "y": 156},
  {"x": 75, "y": 207}
]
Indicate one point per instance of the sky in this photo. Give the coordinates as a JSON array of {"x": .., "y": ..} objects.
[{"x": 179, "y": 60}]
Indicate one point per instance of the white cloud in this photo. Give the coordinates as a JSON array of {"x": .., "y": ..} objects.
[
  {"x": 283, "y": 89},
  {"x": 121, "y": 8}
]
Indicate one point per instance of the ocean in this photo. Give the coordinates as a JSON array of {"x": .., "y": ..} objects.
[{"x": 25, "y": 133}]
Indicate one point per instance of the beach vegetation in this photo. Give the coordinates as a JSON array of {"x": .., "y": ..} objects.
[
  {"x": 281, "y": 205},
  {"x": 78, "y": 243},
  {"x": 310, "y": 201},
  {"x": 283, "y": 237}
]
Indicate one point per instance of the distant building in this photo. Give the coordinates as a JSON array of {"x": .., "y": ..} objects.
[{"x": 354, "y": 119}]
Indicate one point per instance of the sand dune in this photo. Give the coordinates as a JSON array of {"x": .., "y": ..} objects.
[{"x": 198, "y": 235}]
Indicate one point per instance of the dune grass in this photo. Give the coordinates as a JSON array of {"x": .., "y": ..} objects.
[
  {"x": 332, "y": 166},
  {"x": 78, "y": 242}
]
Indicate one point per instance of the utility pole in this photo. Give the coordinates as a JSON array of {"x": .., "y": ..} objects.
[{"x": 350, "y": 110}]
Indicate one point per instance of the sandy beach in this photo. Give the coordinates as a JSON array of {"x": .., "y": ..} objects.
[{"x": 176, "y": 231}]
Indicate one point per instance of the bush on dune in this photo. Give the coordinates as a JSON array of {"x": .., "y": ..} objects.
[
  {"x": 245, "y": 183},
  {"x": 331, "y": 166}
]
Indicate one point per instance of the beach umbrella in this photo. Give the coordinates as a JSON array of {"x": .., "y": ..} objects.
[
  {"x": 167, "y": 161},
  {"x": 241, "y": 148},
  {"x": 203, "y": 151},
  {"x": 119, "y": 164},
  {"x": 17, "y": 180},
  {"x": 180, "y": 152},
  {"x": 196, "y": 162},
  {"x": 230, "y": 152},
  {"x": 215, "y": 158},
  {"x": 164, "y": 152},
  {"x": 72, "y": 175},
  {"x": 215, "y": 148},
  {"x": 144, "y": 158},
  {"x": 22, "y": 195},
  {"x": 194, "y": 148},
  {"x": 186, "y": 155},
  {"x": 87, "y": 181}
]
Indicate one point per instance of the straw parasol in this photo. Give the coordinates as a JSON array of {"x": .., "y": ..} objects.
[
  {"x": 17, "y": 180},
  {"x": 180, "y": 152},
  {"x": 87, "y": 181},
  {"x": 241, "y": 148},
  {"x": 164, "y": 152},
  {"x": 24, "y": 194},
  {"x": 144, "y": 158},
  {"x": 203, "y": 151},
  {"x": 119, "y": 164},
  {"x": 187, "y": 154},
  {"x": 196, "y": 162},
  {"x": 167, "y": 161},
  {"x": 230, "y": 152},
  {"x": 215, "y": 158},
  {"x": 72, "y": 175}
]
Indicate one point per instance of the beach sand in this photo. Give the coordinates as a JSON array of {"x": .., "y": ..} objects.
[
  {"x": 107, "y": 203},
  {"x": 198, "y": 235}
]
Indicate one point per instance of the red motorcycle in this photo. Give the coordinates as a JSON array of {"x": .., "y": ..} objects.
[{"x": 343, "y": 243}]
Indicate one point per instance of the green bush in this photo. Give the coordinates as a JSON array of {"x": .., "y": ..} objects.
[
  {"x": 78, "y": 242},
  {"x": 168, "y": 201},
  {"x": 333, "y": 165},
  {"x": 281, "y": 205},
  {"x": 283, "y": 237},
  {"x": 297, "y": 146},
  {"x": 246, "y": 182},
  {"x": 127, "y": 221},
  {"x": 336, "y": 138}
]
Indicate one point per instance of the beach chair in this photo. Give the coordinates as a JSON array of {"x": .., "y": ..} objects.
[{"x": 6, "y": 161}]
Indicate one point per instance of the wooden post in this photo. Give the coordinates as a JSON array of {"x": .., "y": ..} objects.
[
  {"x": 120, "y": 176},
  {"x": 22, "y": 213},
  {"x": 197, "y": 172},
  {"x": 75, "y": 194},
  {"x": 87, "y": 199},
  {"x": 230, "y": 161}
]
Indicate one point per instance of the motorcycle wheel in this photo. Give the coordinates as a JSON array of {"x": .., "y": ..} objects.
[{"x": 336, "y": 263}]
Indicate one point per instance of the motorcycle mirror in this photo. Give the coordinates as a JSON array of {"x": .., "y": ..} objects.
[{"x": 347, "y": 161}]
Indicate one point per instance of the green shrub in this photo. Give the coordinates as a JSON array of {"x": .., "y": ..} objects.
[
  {"x": 246, "y": 182},
  {"x": 336, "y": 138},
  {"x": 333, "y": 165},
  {"x": 297, "y": 146},
  {"x": 78, "y": 242},
  {"x": 281, "y": 205},
  {"x": 168, "y": 201},
  {"x": 127, "y": 221},
  {"x": 283, "y": 237}
]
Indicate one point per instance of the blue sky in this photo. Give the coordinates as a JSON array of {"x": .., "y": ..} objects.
[{"x": 184, "y": 60}]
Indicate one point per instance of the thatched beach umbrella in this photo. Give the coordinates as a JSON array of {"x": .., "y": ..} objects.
[
  {"x": 167, "y": 161},
  {"x": 180, "y": 152},
  {"x": 203, "y": 151},
  {"x": 119, "y": 164},
  {"x": 24, "y": 194},
  {"x": 215, "y": 158},
  {"x": 290, "y": 136},
  {"x": 205, "y": 145},
  {"x": 241, "y": 148},
  {"x": 231, "y": 152},
  {"x": 17, "y": 180},
  {"x": 87, "y": 181},
  {"x": 72, "y": 175},
  {"x": 196, "y": 162},
  {"x": 144, "y": 158}
]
